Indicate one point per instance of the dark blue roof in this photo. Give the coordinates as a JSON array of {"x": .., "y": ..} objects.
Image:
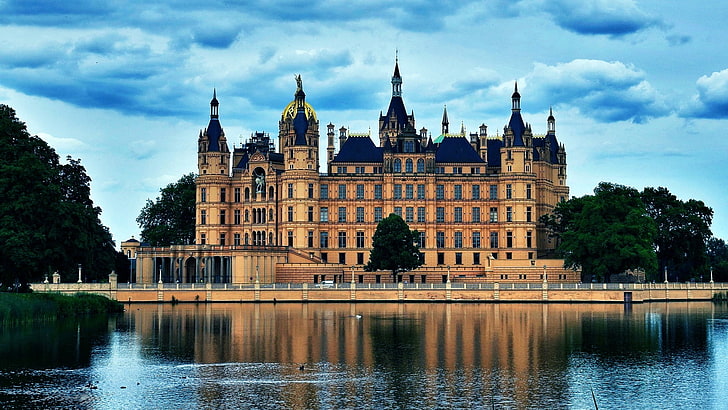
[
  {"x": 494, "y": 146},
  {"x": 396, "y": 106},
  {"x": 541, "y": 142},
  {"x": 243, "y": 161},
  {"x": 359, "y": 149},
  {"x": 300, "y": 126},
  {"x": 214, "y": 130},
  {"x": 516, "y": 124},
  {"x": 456, "y": 149}
]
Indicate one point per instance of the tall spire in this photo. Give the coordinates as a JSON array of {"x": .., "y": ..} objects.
[
  {"x": 445, "y": 121},
  {"x": 396, "y": 78},
  {"x": 516, "y": 99},
  {"x": 551, "y": 121},
  {"x": 214, "y": 104}
]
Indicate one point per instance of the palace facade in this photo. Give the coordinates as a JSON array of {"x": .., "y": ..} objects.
[{"x": 267, "y": 215}]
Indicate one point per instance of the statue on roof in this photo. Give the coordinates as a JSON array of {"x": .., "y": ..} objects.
[{"x": 299, "y": 82}]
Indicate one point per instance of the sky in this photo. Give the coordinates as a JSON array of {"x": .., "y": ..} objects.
[{"x": 639, "y": 89}]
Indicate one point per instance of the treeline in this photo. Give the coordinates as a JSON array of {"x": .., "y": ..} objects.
[
  {"x": 619, "y": 229},
  {"x": 48, "y": 222}
]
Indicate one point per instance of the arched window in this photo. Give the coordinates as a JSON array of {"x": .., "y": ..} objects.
[
  {"x": 247, "y": 194},
  {"x": 247, "y": 239},
  {"x": 270, "y": 193},
  {"x": 408, "y": 166},
  {"x": 270, "y": 214},
  {"x": 247, "y": 216},
  {"x": 397, "y": 165},
  {"x": 270, "y": 238},
  {"x": 420, "y": 165}
]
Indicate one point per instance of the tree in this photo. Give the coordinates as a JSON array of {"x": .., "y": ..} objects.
[
  {"x": 683, "y": 230},
  {"x": 717, "y": 252},
  {"x": 170, "y": 220},
  {"x": 394, "y": 247},
  {"x": 605, "y": 233},
  {"x": 48, "y": 222}
]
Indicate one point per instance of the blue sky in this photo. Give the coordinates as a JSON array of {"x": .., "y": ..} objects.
[{"x": 639, "y": 89}]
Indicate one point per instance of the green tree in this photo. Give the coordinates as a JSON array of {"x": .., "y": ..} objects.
[
  {"x": 605, "y": 233},
  {"x": 683, "y": 230},
  {"x": 717, "y": 252},
  {"x": 394, "y": 247},
  {"x": 170, "y": 220},
  {"x": 47, "y": 220}
]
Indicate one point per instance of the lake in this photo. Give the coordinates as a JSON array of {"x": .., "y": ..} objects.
[{"x": 369, "y": 355}]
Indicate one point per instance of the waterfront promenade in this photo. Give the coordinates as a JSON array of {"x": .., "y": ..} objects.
[{"x": 400, "y": 292}]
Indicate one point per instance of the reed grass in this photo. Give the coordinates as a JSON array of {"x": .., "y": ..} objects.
[{"x": 32, "y": 307}]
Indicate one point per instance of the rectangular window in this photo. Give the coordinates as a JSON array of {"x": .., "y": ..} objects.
[
  {"x": 342, "y": 191},
  {"x": 223, "y": 195},
  {"x": 476, "y": 258},
  {"x": 509, "y": 191},
  {"x": 458, "y": 192},
  {"x": 360, "y": 191},
  {"x": 528, "y": 191},
  {"x": 360, "y": 214},
  {"x": 440, "y": 192},
  {"x": 398, "y": 211},
  {"x": 476, "y": 214},
  {"x": 458, "y": 258},
  {"x": 409, "y": 214},
  {"x": 203, "y": 194},
  {"x": 342, "y": 214},
  {"x": 236, "y": 194},
  {"x": 529, "y": 239},
  {"x": 528, "y": 214},
  {"x": 440, "y": 239},
  {"x": 409, "y": 192},
  {"x": 494, "y": 214},
  {"x": 222, "y": 217},
  {"x": 360, "y": 239},
  {"x": 324, "y": 239},
  {"x": 310, "y": 190},
  {"x": 458, "y": 239},
  {"x": 421, "y": 214},
  {"x": 509, "y": 239},
  {"x": 494, "y": 240},
  {"x": 290, "y": 238},
  {"x": 420, "y": 191},
  {"x": 475, "y": 191},
  {"x": 342, "y": 239},
  {"x": 236, "y": 239},
  {"x": 203, "y": 217},
  {"x": 422, "y": 239},
  {"x": 458, "y": 214},
  {"x": 377, "y": 191},
  {"x": 476, "y": 239},
  {"x": 494, "y": 192},
  {"x": 324, "y": 191},
  {"x": 360, "y": 261},
  {"x": 309, "y": 238},
  {"x": 290, "y": 214},
  {"x": 342, "y": 258},
  {"x": 397, "y": 191},
  {"x": 310, "y": 214},
  {"x": 440, "y": 214},
  {"x": 341, "y": 170},
  {"x": 236, "y": 217},
  {"x": 377, "y": 214},
  {"x": 203, "y": 239},
  {"x": 290, "y": 190},
  {"x": 509, "y": 214},
  {"x": 324, "y": 214},
  {"x": 440, "y": 258}
]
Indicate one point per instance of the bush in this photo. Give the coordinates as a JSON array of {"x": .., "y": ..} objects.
[{"x": 31, "y": 307}]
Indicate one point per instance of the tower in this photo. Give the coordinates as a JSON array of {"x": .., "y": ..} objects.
[
  {"x": 396, "y": 119},
  {"x": 299, "y": 132},
  {"x": 213, "y": 155}
]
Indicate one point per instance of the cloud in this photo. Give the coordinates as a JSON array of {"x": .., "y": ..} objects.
[
  {"x": 615, "y": 18},
  {"x": 712, "y": 98},
  {"x": 605, "y": 91}
]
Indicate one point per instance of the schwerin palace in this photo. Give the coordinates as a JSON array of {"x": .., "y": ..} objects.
[{"x": 271, "y": 216}]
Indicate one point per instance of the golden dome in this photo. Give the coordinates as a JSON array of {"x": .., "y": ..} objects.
[{"x": 290, "y": 111}]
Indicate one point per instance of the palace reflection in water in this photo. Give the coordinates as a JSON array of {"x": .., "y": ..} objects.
[{"x": 658, "y": 355}]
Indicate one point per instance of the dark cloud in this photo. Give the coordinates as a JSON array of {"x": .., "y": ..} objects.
[
  {"x": 712, "y": 98},
  {"x": 614, "y": 18},
  {"x": 605, "y": 91}
]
